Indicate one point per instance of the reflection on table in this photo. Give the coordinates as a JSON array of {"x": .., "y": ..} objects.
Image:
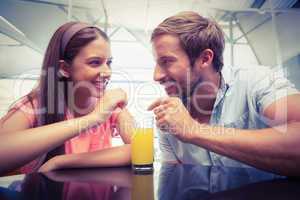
[
  {"x": 174, "y": 182},
  {"x": 187, "y": 182},
  {"x": 109, "y": 183}
]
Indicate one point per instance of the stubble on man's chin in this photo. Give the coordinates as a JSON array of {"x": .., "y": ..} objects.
[
  {"x": 184, "y": 97},
  {"x": 189, "y": 92},
  {"x": 186, "y": 101}
]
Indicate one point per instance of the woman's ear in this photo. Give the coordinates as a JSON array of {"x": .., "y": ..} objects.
[
  {"x": 64, "y": 69},
  {"x": 205, "y": 59}
]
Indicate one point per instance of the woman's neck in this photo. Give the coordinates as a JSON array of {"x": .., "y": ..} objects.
[{"x": 82, "y": 103}]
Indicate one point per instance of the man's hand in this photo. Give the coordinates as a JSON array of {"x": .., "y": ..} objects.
[{"x": 172, "y": 116}]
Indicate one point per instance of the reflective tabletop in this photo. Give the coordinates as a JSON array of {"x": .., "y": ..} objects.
[{"x": 168, "y": 182}]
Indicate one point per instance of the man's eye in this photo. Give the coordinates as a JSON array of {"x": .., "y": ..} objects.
[{"x": 165, "y": 62}]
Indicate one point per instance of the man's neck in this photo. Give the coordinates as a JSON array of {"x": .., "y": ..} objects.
[{"x": 204, "y": 97}]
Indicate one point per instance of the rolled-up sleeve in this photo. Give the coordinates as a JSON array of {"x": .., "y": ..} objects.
[{"x": 271, "y": 86}]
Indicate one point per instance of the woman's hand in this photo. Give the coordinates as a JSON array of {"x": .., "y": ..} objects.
[
  {"x": 109, "y": 102},
  {"x": 50, "y": 165}
]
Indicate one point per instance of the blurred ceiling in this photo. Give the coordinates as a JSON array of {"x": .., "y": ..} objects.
[{"x": 27, "y": 25}]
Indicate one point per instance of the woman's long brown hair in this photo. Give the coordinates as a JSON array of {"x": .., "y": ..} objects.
[{"x": 52, "y": 91}]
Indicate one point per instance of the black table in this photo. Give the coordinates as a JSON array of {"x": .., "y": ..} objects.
[{"x": 169, "y": 182}]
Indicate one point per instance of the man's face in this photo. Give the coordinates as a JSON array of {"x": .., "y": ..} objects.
[{"x": 173, "y": 69}]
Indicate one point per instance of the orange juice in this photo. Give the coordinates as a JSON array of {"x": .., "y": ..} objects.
[
  {"x": 142, "y": 187},
  {"x": 142, "y": 146}
]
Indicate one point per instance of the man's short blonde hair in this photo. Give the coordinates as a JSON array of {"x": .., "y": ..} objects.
[{"x": 195, "y": 33}]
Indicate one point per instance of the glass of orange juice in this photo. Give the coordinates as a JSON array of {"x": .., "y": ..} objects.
[
  {"x": 142, "y": 187},
  {"x": 142, "y": 145}
]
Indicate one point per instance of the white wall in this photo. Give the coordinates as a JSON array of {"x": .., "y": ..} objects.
[
  {"x": 140, "y": 94},
  {"x": 11, "y": 90}
]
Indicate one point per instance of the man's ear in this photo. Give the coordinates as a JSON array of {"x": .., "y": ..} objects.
[
  {"x": 64, "y": 69},
  {"x": 204, "y": 60}
]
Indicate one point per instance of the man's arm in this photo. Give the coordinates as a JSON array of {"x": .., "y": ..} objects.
[{"x": 275, "y": 149}]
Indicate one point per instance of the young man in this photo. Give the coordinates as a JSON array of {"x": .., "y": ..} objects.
[{"x": 213, "y": 116}]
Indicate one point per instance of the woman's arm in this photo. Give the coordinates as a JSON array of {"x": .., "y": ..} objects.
[
  {"x": 125, "y": 125},
  {"x": 20, "y": 144},
  {"x": 110, "y": 157},
  {"x": 120, "y": 176},
  {"x": 115, "y": 156}
]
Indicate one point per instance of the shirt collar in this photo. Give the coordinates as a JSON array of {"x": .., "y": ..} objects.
[
  {"x": 226, "y": 82},
  {"x": 226, "y": 78}
]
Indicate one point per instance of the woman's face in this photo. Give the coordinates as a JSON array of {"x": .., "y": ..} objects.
[{"x": 90, "y": 70}]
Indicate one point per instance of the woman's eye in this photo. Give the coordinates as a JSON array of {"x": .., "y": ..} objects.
[
  {"x": 95, "y": 62},
  {"x": 109, "y": 62}
]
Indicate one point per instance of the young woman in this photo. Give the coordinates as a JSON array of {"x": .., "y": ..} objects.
[{"x": 68, "y": 120}]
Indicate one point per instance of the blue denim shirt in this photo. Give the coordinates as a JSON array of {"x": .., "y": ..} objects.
[{"x": 243, "y": 95}]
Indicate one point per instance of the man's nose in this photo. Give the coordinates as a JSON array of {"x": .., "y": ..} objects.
[{"x": 159, "y": 73}]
